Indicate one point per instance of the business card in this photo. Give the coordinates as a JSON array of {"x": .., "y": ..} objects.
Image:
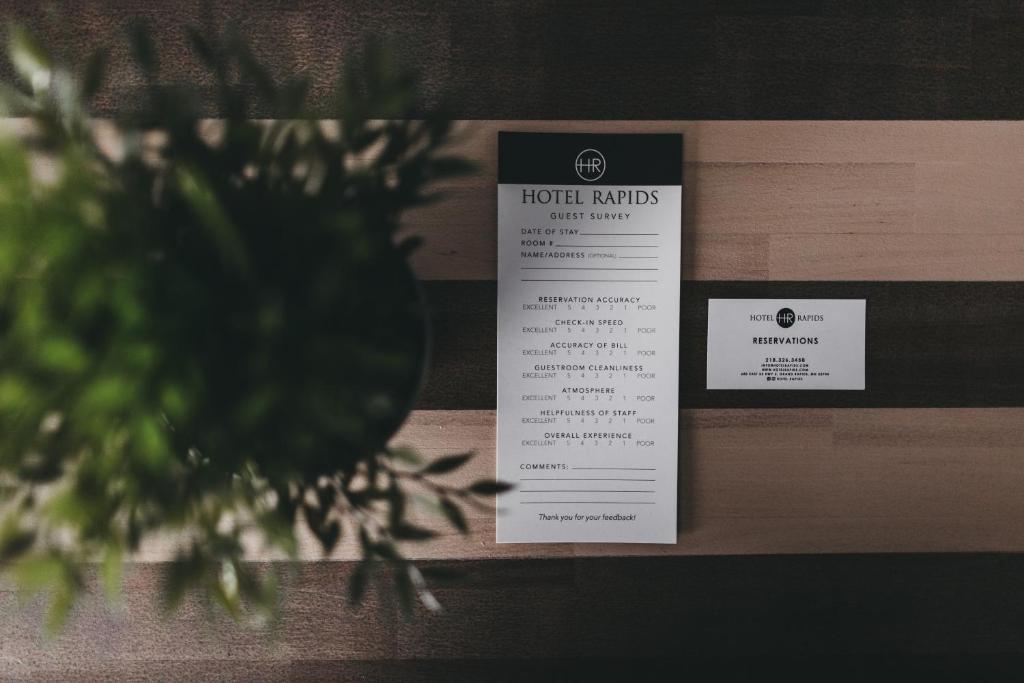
[
  {"x": 588, "y": 336},
  {"x": 786, "y": 343}
]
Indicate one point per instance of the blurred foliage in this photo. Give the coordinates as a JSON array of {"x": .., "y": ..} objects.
[{"x": 209, "y": 331}]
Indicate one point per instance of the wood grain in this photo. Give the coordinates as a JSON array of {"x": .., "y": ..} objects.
[
  {"x": 764, "y": 201},
  {"x": 532, "y": 619},
  {"x": 833, "y": 201},
  {"x": 769, "y": 200},
  {"x": 773, "y": 481},
  {"x": 807, "y": 481},
  {"x": 929, "y": 344},
  {"x": 669, "y": 59}
]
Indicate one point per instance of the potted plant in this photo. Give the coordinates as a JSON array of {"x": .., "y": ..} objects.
[{"x": 210, "y": 329}]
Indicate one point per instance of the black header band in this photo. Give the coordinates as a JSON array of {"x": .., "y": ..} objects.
[{"x": 590, "y": 158}]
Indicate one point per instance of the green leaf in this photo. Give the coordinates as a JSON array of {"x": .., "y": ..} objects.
[
  {"x": 167, "y": 351},
  {"x": 62, "y": 599},
  {"x": 202, "y": 47},
  {"x": 111, "y": 571},
  {"x": 37, "y": 573},
  {"x": 256, "y": 72},
  {"x": 450, "y": 167},
  {"x": 133, "y": 532},
  {"x": 62, "y": 355},
  {"x": 357, "y": 582},
  {"x": 142, "y": 47},
  {"x": 396, "y": 509},
  {"x": 412, "y": 532},
  {"x": 386, "y": 550},
  {"x": 29, "y": 59},
  {"x": 293, "y": 95},
  {"x": 328, "y": 534},
  {"x": 404, "y": 590},
  {"x": 410, "y": 244},
  {"x": 106, "y": 395},
  {"x": 454, "y": 515},
  {"x": 438, "y": 573},
  {"x": 315, "y": 515},
  {"x": 287, "y": 504},
  {"x": 39, "y": 466},
  {"x": 227, "y": 587},
  {"x": 181, "y": 575},
  {"x": 404, "y": 455},
  {"x": 14, "y": 540},
  {"x": 365, "y": 544},
  {"x": 447, "y": 464},
  {"x": 278, "y": 529},
  {"x": 487, "y": 487},
  {"x": 14, "y": 103},
  {"x": 419, "y": 583},
  {"x": 200, "y": 196},
  {"x": 95, "y": 69}
]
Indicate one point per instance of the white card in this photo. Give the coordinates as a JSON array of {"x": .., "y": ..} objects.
[
  {"x": 786, "y": 343},
  {"x": 588, "y": 336}
]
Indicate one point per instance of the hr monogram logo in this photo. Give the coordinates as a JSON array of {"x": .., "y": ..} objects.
[
  {"x": 590, "y": 165},
  {"x": 785, "y": 317}
]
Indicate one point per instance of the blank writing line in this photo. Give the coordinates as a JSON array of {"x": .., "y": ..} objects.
[
  {"x": 583, "y": 491},
  {"x": 564, "y": 280},
  {"x": 579, "y": 268},
  {"x": 648, "y": 469},
  {"x": 573, "y": 479},
  {"x": 610, "y": 246},
  {"x": 586, "y": 502},
  {"x": 637, "y": 257},
  {"x": 630, "y": 234}
]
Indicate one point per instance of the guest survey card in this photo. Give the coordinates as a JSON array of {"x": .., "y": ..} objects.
[{"x": 588, "y": 336}]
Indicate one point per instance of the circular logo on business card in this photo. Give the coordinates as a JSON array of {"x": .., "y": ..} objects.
[
  {"x": 785, "y": 317},
  {"x": 590, "y": 165}
]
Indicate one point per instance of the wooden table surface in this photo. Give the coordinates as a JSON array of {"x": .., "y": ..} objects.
[
  {"x": 930, "y": 458},
  {"x": 853, "y": 528}
]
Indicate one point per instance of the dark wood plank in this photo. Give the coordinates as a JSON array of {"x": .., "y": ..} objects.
[
  {"x": 957, "y": 668},
  {"x": 795, "y": 480},
  {"x": 929, "y": 344},
  {"x": 516, "y": 616},
  {"x": 658, "y": 59}
]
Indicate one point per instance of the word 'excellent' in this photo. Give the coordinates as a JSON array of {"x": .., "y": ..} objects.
[{"x": 533, "y": 196}]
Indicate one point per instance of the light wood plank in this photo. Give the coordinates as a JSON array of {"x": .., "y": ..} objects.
[
  {"x": 752, "y": 482},
  {"x": 790, "y": 142},
  {"x": 984, "y": 197},
  {"x": 818, "y": 481},
  {"x": 806, "y": 199},
  {"x": 769, "y": 481},
  {"x": 791, "y": 200},
  {"x": 896, "y": 257},
  {"x": 782, "y": 200},
  {"x": 318, "y": 618}
]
